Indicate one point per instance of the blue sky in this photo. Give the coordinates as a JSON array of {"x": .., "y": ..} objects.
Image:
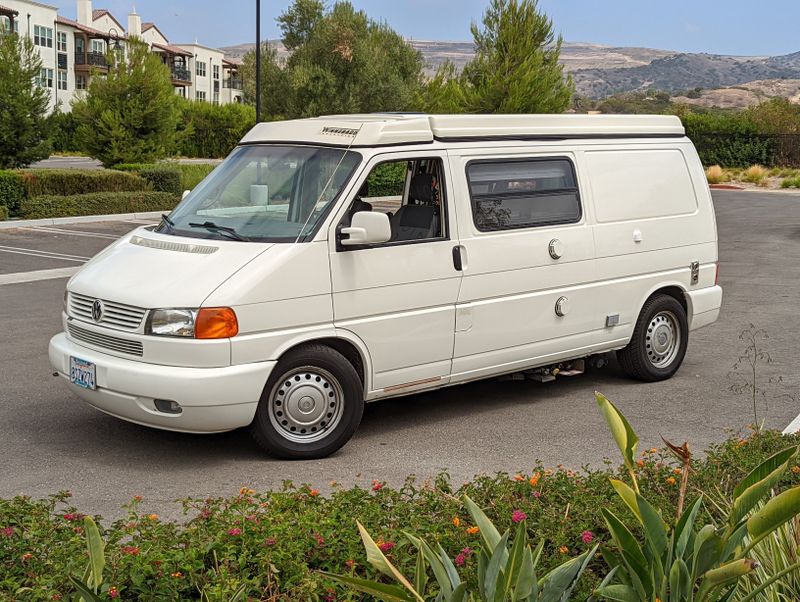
[{"x": 718, "y": 26}]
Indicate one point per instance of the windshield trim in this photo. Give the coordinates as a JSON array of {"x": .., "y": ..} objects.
[{"x": 323, "y": 217}]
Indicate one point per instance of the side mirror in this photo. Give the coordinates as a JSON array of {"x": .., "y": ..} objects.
[
  {"x": 367, "y": 228},
  {"x": 185, "y": 194}
]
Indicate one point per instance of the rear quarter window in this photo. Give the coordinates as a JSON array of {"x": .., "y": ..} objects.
[
  {"x": 523, "y": 193},
  {"x": 629, "y": 185}
]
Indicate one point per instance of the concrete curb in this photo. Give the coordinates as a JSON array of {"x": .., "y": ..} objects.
[{"x": 61, "y": 221}]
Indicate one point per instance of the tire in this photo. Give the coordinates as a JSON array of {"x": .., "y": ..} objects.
[
  {"x": 311, "y": 405},
  {"x": 656, "y": 350}
]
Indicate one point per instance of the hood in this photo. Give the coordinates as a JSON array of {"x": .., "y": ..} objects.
[{"x": 150, "y": 270}]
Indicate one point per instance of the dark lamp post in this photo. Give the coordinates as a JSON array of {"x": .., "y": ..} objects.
[{"x": 258, "y": 61}]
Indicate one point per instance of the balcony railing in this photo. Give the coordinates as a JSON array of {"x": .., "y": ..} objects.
[
  {"x": 97, "y": 59},
  {"x": 62, "y": 60},
  {"x": 181, "y": 74},
  {"x": 232, "y": 82}
]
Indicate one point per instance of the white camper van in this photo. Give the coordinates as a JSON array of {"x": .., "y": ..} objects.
[{"x": 332, "y": 261}]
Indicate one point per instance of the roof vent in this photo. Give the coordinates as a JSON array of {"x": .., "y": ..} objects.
[
  {"x": 333, "y": 131},
  {"x": 165, "y": 245}
]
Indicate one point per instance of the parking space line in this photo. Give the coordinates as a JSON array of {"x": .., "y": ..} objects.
[
  {"x": 794, "y": 427},
  {"x": 36, "y": 275},
  {"x": 49, "y": 230},
  {"x": 43, "y": 254}
]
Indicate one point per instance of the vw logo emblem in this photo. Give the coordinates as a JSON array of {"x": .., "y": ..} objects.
[{"x": 97, "y": 310}]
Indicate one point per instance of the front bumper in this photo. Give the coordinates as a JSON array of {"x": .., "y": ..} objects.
[{"x": 213, "y": 399}]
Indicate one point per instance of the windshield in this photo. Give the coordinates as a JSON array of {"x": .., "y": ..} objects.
[{"x": 264, "y": 193}]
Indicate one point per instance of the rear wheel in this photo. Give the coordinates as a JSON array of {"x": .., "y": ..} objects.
[
  {"x": 659, "y": 340},
  {"x": 311, "y": 405}
]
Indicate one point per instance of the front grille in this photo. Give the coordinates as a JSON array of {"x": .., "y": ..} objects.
[
  {"x": 115, "y": 315},
  {"x": 105, "y": 341}
]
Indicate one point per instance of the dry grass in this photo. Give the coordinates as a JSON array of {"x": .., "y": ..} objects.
[
  {"x": 716, "y": 175},
  {"x": 755, "y": 174}
]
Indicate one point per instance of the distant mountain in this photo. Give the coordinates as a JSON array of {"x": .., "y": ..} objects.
[{"x": 600, "y": 71}]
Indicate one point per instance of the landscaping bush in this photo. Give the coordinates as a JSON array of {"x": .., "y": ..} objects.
[
  {"x": 64, "y": 182},
  {"x": 62, "y": 129},
  {"x": 3, "y": 213},
  {"x": 98, "y": 203},
  {"x": 273, "y": 543},
  {"x": 134, "y": 167},
  {"x": 191, "y": 174},
  {"x": 212, "y": 131},
  {"x": 12, "y": 191},
  {"x": 163, "y": 179}
]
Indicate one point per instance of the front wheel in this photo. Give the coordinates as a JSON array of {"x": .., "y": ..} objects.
[
  {"x": 311, "y": 406},
  {"x": 659, "y": 340}
]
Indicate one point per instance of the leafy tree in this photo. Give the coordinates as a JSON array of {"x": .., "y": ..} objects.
[
  {"x": 516, "y": 68},
  {"x": 443, "y": 93},
  {"x": 274, "y": 82},
  {"x": 23, "y": 105},
  {"x": 131, "y": 115},
  {"x": 299, "y": 21}
]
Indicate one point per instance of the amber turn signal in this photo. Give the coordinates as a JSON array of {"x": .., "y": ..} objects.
[{"x": 215, "y": 323}]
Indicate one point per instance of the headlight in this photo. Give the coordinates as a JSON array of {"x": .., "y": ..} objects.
[
  {"x": 204, "y": 323},
  {"x": 171, "y": 322}
]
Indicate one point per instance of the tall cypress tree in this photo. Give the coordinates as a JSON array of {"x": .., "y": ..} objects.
[
  {"x": 516, "y": 68},
  {"x": 23, "y": 104}
]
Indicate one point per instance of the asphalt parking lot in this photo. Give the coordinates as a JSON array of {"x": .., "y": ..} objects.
[{"x": 49, "y": 440}]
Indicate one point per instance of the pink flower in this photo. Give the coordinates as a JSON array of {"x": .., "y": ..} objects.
[
  {"x": 377, "y": 485},
  {"x": 587, "y": 537},
  {"x": 330, "y": 596},
  {"x": 463, "y": 556},
  {"x": 7, "y": 531},
  {"x": 205, "y": 514},
  {"x": 270, "y": 541},
  {"x": 71, "y": 516},
  {"x": 130, "y": 550},
  {"x": 113, "y": 592},
  {"x": 386, "y": 546},
  {"x": 235, "y": 531},
  {"x": 518, "y": 516},
  {"x": 251, "y": 517},
  {"x": 537, "y": 494},
  {"x": 320, "y": 539}
]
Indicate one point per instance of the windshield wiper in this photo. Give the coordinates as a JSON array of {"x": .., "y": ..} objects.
[
  {"x": 230, "y": 232},
  {"x": 165, "y": 219}
]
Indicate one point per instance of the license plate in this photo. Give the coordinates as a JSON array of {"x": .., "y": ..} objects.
[{"x": 82, "y": 373}]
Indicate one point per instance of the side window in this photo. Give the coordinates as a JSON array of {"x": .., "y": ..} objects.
[
  {"x": 523, "y": 193},
  {"x": 411, "y": 193}
]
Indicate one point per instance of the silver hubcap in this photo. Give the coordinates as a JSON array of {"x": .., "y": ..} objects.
[
  {"x": 306, "y": 404},
  {"x": 663, "y": 339}
]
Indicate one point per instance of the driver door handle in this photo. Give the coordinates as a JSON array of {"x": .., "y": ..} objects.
[{"x": 457, "y": 261}]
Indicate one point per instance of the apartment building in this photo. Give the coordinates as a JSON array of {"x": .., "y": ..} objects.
[{"x": 74, "y": 51}]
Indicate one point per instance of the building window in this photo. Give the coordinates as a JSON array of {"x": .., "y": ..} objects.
[
  {"x": 216, "y": 98},
  {"x": 80, "y": 82},
  {"x": 43, "y": 36},
  {"x": 62, "y": 80},
  {"x": 62, "y": 41},
  {"x": 45, "y": 79},
  {"x": 216, "y": 71},
  {"x": 98, "y": 46},
  {"x": 200, "y": 95},
  {"x": 5, "y": 24},
  {"x": 523, "y": 193},
  {"x": 200, "y": 68}
]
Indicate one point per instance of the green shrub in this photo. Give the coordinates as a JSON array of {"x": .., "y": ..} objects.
[
  {"x": 193, "y": 173},
  {"x": 163, "y": 179},
  {"x": 275, "y": 541},
  {"x": 63, "y": 131},
  {"x": 134, "y": 167},
  {"x": 3, "y": 213},
  {"x": 12, "y": 191},
  {"x": 388, "y": 179},
  {"x": 791, "y": 183},
  {"x": 98, "y": 203},
  {"x": 64, "y": 182},
  {"x": 212, "y": 131}
]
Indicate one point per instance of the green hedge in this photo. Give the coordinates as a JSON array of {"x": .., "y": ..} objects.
[
  {"x": 64, "y": 182},
  {"x": 12, "y": 192},
  {"x": 98, "y": 203},
  {"x": 191, "y": 174},
  {"x": 163, "y": 179},
  {"x": 212, "y": 131},
  {"x": 3, "y": 213},
  {"x": 273, "y": 543}
]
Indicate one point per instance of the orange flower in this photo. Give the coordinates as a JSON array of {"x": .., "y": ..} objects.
[
  {"x": 535, "y": 479},
  {"x": 653, "y": 450},
  {"x": 176, "y": 575},
  {"x": 152, "y": 517},
  {"x": 246, "y": 491},
  {"x": 519, "y": 477},
  {"x": 676, "y": 471},
  {"x": 640, "y": 463},
  {"x": 314, "y": 492},
  {"x": 796, "y": 469},
  {"x": 472, "y": 530},
  {"x": 671, "y": 480},
  {"x": 563, "y": 549},
  {"x": 456, "y": 521}
]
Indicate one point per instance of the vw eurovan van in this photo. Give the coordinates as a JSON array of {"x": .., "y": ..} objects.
[{"x": 333, "y": 261}]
